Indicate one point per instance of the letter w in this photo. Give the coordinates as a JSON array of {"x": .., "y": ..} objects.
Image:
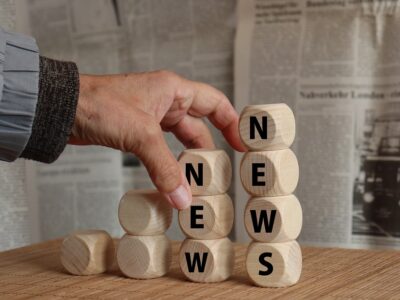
[
  {"x": 191, "y": 263},
  {"x": 263, "y": 219}
]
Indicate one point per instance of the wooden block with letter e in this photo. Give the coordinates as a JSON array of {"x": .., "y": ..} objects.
[
  {"x": 87, "y": 252},
  {"x": 144, "y": 212},
  {"x": 267, "y": 126},
  {"x": 144, "y": 257},
  {"x": 207, "y": 260},
  {"x": 273, "y": 219},
  {"x": 274, "y": 264},
  {"x": 209, "y": 172},
  {"x": 269, "y": 173},
  {"x": 208, "y": 217}
]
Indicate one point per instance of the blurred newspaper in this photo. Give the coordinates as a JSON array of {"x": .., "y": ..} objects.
[
  {"x": 193, "y": 38},
  {"x": 337, "y": 64}
]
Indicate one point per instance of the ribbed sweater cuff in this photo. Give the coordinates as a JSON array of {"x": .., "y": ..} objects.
[{"x": 55, "y": 111}]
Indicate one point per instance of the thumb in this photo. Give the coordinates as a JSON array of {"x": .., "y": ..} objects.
[{"x": 163, "y": 168}]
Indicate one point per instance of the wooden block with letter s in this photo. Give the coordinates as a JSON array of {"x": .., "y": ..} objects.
[{"x": 274, "y": 264}]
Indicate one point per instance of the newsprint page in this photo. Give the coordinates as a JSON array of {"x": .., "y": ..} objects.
[
  {"x": 83, "y": 187},
  {"x": 337, "y": 64}
]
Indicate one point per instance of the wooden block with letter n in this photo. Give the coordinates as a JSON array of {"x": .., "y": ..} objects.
[
  {"x": 209, "y": 172},
  {"x": 207, "y": 260},
  {"x": 267, "y": 126},
  {"x": 87, "y": 252}
]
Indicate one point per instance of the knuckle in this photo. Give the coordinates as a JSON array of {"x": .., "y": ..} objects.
[
  {"x": 151, "y": 132},
  {"x": 148, "y": 135},
  {"x": 167, "y": 77}
]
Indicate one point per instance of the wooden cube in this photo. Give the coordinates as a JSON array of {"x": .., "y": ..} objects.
[
  {"x": 267, "y": 126},
  {"x": 87, "y": 252},
  {"x": 269, "y": 173},
  {"x": 209, "y": 172},
  {"x": 274, "y": 264},
  {"x": 144, "y": 257},
  {"x": 208, "y": 217},
  {"x": 207, "y": 260},
  {"x": 144, "y": 212},
  {"x": 273, "y": 219}
]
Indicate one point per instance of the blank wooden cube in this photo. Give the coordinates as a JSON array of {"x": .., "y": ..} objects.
[
  {"x": 267, "y": 126},
  {"x": 207, "y": 260},
  {"x": 269, "y": 173},
  {"x": 87, "y": 252},
  {"x": 274, "y": 264},
  {"x": 209, "y": 172},
  {"x": 208, "y": 217},
  {"x": 273, "y": 219},
  {"x": 144, "y": 212},
  {"x": 144, "y": 257}
]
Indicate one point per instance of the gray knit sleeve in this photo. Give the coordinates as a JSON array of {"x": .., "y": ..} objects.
[
  {"x": 19, "y": 75},
  {"x": 55, "y": 112}
]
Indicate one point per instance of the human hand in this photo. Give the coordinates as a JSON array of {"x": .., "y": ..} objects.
[{"x": 128, "y": 112}]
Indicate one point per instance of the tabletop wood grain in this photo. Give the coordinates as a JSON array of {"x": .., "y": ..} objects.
[{"x": 35, "y": 272}]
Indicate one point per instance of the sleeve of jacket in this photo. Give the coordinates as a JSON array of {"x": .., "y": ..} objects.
[
  {"x": 19, "y": 85},
  {"x": 55, "y": 112}
]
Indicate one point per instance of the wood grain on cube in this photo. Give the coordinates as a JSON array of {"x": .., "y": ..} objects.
[
  {"x": 269, "y": 173},
  {"x": 144, "y": 212},
  {"x": 209, "y": 172},
  {"x": 144, "y": 257},
  {"x": 273, "y": 219},
  {"x": 208, "y": 217},
  {"x": 207, "y": 260},
  {"x": 87, "y": 252},
  {"x": 274, "y": 264},
  {"x": 267, "y": 126}
]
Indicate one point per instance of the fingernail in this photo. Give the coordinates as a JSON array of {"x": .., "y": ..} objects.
[{"x": 180, "y": 198}]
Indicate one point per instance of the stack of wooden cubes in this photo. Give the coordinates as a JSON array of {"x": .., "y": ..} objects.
[
  {"x": 207, "y": 254},
  {"x": 273, "y": 216},
  {"x": 144, "y": 251}
]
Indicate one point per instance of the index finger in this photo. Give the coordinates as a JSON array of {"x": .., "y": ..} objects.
[{"x": 213, "y": 104}]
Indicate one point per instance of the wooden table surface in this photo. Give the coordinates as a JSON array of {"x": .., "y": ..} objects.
[{"x": 35, "y": 272}]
